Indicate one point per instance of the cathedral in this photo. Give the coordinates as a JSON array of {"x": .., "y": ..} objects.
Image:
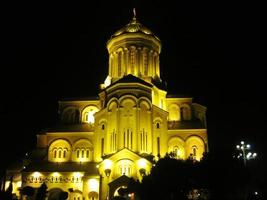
[{"x": 101, "y": 142}]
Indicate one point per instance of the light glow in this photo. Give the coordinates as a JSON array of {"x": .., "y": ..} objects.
[
  {"x": 36, "y": 174},
  {"x": 141, "y": 163},
  {"x": 55, "y": 174},
  {"x": 107, "y": 164},
  {"x": 77, "y": 174},
  {"x": 93, "y": 185},
  {"x": 107, "y": 81},
  {"x": 18, "y": 184}
]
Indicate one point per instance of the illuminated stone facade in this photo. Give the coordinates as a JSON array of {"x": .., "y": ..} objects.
[{"x": 102, "y": 141}]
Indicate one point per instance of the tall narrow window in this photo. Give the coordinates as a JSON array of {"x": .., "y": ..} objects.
[
  {"x": 176, "y": 152},
  {"x": 124, "y": 138},
  {"x": 55, "y": 153},
  {"x": 119, "y": 64},
  {"x": 59, "y": 153},
  {"x": 64, "y": 153},
  {"x": 87, "y": 153},
  {"x": 127, "y": 137},
  {"x": 143, "y": 140},
  {"x": 113, "y": 141},
  {"x": 86, "y": 116},
  {"x": 158, "y": 145},
  {"x": 82, "y": 154},
  {"x": 157, "y": 125},
  {"x": 194, "y": 148},
  {"x": 145, "y": 63},
  {"x": 131, "y": 138},
  {"x": 102, "y": 146},
  {"x": 132, "y": 57},
  {"x": 78, "y": 153}
]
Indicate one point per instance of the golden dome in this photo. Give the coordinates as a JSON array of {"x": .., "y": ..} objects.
[{"x": 134, "y": 26}]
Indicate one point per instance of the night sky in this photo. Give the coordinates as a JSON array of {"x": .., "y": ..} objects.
[{"x": 54, "y": 49}]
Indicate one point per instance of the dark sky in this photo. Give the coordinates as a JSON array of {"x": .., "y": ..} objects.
[{"x": 54, "y": 49}]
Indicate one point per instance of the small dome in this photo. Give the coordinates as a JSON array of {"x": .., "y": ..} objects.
[{"x": 134, "y": 26}]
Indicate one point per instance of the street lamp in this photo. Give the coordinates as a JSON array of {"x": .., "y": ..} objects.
[{"x": 247, "y": 155}]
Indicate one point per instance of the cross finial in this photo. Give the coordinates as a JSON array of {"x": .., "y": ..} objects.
[{"x": 134, "y": 13}]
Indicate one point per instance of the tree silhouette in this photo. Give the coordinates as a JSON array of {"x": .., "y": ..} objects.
[
  {"x": 41, "y": 192},
  {"x": 169, "y": 179},
  {"x": 63, "y": 195},
  {"x": 28, "y": 191}
]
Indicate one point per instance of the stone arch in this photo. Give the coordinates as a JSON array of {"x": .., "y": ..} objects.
[
  {"x": 71, "y": 115},
  {"x": 88, "y": 114},
  {"x": 93, "y": 195},
  {"x": 76, "y": 195},
  {"x": 127, "y": 98},
  {"x": 185, "y": 111},
  {"x": 176, "y": 147},
  {"x": 146, "y": 101},
  {"x": 174, "y": 112},
  {"x": 195, "y": 147},
  {"x": 112, "y": 103},
  {"x": 82, "y": 150},
  {"x": 59, "y": 150}
]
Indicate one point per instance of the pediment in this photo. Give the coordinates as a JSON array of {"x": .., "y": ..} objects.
[{"x": 124, "y": 154}]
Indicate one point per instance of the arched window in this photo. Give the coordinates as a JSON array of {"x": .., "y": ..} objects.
[
  {"x": 88, "y": 114},
  {"x": 174, "y": 112},
  {"x": 176, "y": 152},
  {"x": 185, "y": 112},
  {"x": 195, "y": 147},
  {"x": 82, "y": 154},
  {"x": 194, "y": 151},
  {"x": 103, "y": 126},
  {"x": 83, "y": 149},
  {"x": 125, "y": 167},
  {"x": 59, "y": 153},
  {"x": 71, "y": 115},
  {"x": 157, "y": 125},
  {"x": 176, "y": 148}
]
